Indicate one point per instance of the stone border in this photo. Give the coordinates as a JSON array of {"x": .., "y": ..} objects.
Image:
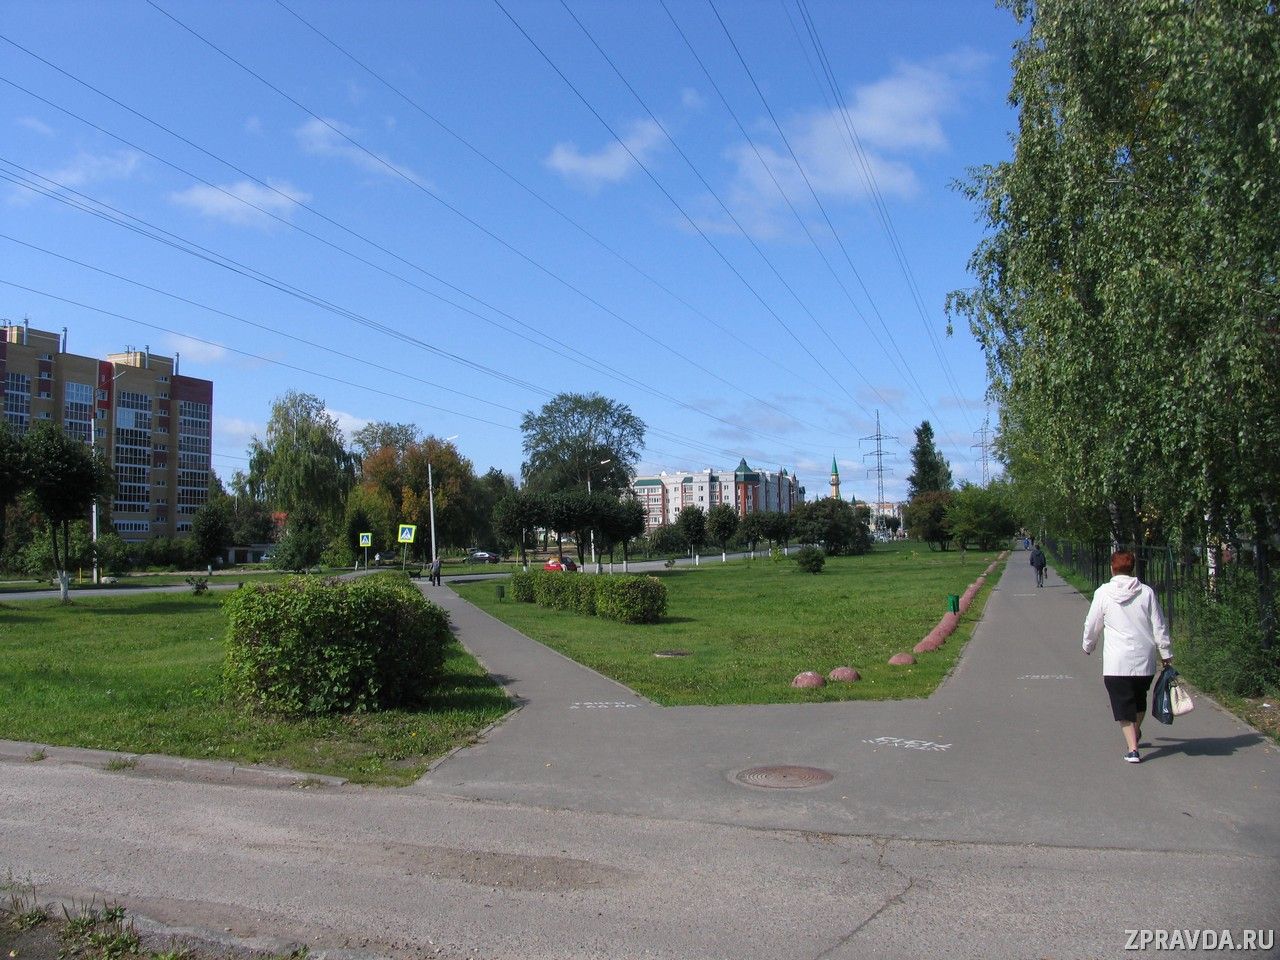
[
  {"x": 159, "y": 765},
  {"x": 946, "y": 626}
]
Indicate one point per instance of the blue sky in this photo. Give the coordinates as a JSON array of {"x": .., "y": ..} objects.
[{"x": 474, "y": 223}]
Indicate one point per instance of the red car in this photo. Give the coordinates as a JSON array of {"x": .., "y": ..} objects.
[{"x": 562, "y": 563}]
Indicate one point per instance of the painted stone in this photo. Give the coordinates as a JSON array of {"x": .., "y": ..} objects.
[
  {"x": 929, "y": 644},
  {"x": 809, "y": 679},
  {"x": 844, "y": 675},
  {"x": 901, "y": 660}
]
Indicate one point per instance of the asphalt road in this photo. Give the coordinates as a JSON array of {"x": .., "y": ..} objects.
[{"x": 995, "y": 819}]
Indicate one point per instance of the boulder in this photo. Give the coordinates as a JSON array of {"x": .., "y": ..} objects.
[
  {"x": 808, "y": 679},
  {"x": 844, "y": 675},
  {"x": 929, "y": 644},
  {"x": 901, "y": 660}
]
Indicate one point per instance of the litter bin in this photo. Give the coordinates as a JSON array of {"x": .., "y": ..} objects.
[
  {"x": 953, "y": 603},
  {"x": 501, "y": 591}
]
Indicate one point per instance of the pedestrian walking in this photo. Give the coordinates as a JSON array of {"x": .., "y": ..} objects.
[
  {"x": 1038, "y": 563},
  {"x": 1127, "y": 617},
  {"x": 435, "y": 572}
]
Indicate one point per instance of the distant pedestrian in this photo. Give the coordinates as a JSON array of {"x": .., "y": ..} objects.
[
  {"x": 435, "y": 572},
  {"x": 1038, "y": 563},
  {"x": 1126, "y": 615},
  {"x": 377, "y": 558}
]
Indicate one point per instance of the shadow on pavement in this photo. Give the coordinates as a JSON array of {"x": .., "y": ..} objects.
[{"x": 1204, "y": 747}]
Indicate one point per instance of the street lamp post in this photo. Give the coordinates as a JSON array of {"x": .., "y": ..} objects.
[
  {"x": 594, "y": 562},
  {"x": 431, "y": 502},
  {"x": 93, "y": 443}
]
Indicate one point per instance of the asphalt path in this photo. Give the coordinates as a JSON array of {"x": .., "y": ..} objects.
[{"x": 994, "y": 819}]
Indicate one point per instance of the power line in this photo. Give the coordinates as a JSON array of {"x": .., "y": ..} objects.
[
  {"x": 882, "y": 210},
  {"x": 878, "y": 471},
  {"x": 231, "y": 265},
  {"x": 250, "y": 355},
  {"x": 423, "y": 188},
  {"x": 509, "y": 175},
  {"x": 724, "y": 206},
  {"x": 593, "y": 363},
  {"x": 666, "y": 193},
  {"x": 814, "y": 194}
]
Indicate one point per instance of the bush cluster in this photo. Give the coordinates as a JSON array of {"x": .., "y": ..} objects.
[
  {"x": 314, "y": 647},
  {"x": 1222, "y": 651},
  {"x": 810, "y": 559},
  {"x": 627, "y": 598}
]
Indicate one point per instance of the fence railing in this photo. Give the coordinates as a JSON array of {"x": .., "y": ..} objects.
[{"x": 1177, "y": 580}]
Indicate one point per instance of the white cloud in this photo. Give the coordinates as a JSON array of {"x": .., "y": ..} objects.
[
  {"x": 92, "y": 168},
  {"x": 328, "y": 138},
  {"x": 236, "y": 202},
  {"x": 83, "y": 169},
  {"x": 39, "y": 126},
  {"x": 195, "y": 350},
  {"x": 691, "y": 99},
  {"x": 348, "y": 423},
  {"x": 895, "y": 119},
  {"x": 234, "y": 433},
  {"x": 611, "y": 163}
]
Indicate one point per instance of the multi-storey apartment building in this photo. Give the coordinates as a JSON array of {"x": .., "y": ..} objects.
[
  {"x": 746, "y": 490},
  {"x": 153, "y": 425}
]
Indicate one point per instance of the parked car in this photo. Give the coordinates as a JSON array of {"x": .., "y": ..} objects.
[
  {"x": 483, "y": 556},
  {"x": 561, "y": 563}
]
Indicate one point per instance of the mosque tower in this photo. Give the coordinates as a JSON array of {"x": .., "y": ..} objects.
[{"x": 835, "y": 479}]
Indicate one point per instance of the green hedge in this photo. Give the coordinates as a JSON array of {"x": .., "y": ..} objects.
[
  {"x": 308, "y": 646},
  {"x": 522, "y": 587},
  {"x": 629, "y": 598}
]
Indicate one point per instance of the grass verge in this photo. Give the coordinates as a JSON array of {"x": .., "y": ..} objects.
[
  {"x": 748, "y": 627},
  {"x": 143, "y": 674},
  {"x": 33, "y": 930}
]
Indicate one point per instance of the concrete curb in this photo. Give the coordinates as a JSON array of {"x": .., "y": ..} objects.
[{"x": 160, "y": 765}]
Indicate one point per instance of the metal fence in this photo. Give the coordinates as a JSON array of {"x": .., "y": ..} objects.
[{"x": 1177, "y": 580}]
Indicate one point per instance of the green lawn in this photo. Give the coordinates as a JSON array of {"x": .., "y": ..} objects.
[
  {"x": 135, "y": 580},
  {"x": 750, "y": 626},
  {"x": 142, "y": 674}
]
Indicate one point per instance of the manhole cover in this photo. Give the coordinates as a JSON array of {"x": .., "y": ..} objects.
[
  {"x": 783, "y": 778},
  {"x": 671, "y": 653}
]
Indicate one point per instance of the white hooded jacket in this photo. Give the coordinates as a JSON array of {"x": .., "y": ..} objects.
[{"x": 1126, "y": 615}]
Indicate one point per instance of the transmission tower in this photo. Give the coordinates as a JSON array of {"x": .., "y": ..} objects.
[
  {"x": 983, "y": 446},
  {"x": 878, "y": 471}
]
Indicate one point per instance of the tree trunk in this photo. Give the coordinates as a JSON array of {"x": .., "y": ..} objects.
[
  {"x": 64, "y": 582},
  {"x": 1266, "y": 586}
]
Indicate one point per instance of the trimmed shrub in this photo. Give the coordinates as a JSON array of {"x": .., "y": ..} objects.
[
  {"x": 313, "y": 647},
  {"x": 522, "y": 587},
  {"x": 810, "y": 559},
  {"x": 631, "y": 599}
]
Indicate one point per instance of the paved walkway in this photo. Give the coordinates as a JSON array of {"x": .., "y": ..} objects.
[{"x": 1024, "y": 749}]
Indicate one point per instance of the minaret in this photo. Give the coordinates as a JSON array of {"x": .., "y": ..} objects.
[{"x": 835, "y": 479}]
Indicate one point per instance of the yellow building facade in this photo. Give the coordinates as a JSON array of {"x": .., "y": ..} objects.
[{"x": 154, "y": 426}]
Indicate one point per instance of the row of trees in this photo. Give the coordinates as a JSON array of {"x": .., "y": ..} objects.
[{"x": 1127, "y": 293}]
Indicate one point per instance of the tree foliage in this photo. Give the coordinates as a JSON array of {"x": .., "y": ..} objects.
[
  {"x": 692, "y": 523},
  {"x": 13, "y": 472},
  {"x": 302, "y": 461},
  {"x": 981, "y": 516},
  {"x": 569, "y": 437},
  {"x": 929, "y": 469},
  {"x": 833, "y": 524},
  {"x": 926, "y": 518},
  {"x": 212, "y": 528},
  {"x": 65, "y": 477},
  {"x": 1127, "y": 289},
  {"x": 722, "y": 524}
]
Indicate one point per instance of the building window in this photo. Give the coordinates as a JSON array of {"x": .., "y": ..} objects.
[
  {"x": 133, "y": 453},
  {"x": 17, "y": 401},
  {"x": 131, "y": 526},
  {"x": 77, "y": 411}
]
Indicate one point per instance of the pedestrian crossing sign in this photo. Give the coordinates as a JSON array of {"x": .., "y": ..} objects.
[
  {"x": 407, "y": 532},
  {"x": 366, "y": 539}
]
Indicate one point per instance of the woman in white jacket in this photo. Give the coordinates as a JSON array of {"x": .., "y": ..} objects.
[{"x": 1126, "y": 615}]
